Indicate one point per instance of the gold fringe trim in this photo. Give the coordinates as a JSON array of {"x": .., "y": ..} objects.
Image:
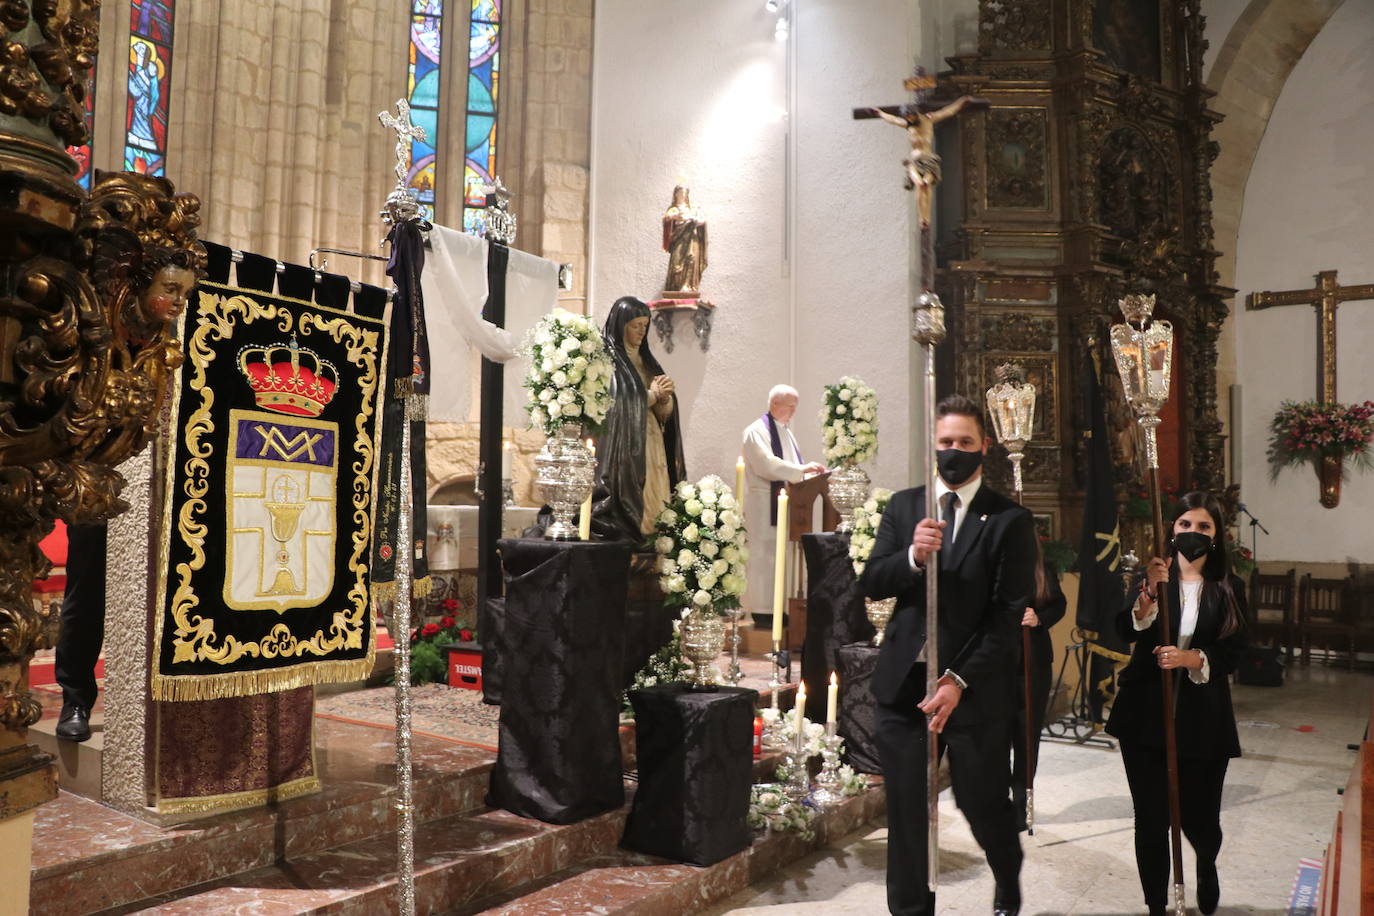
[
  {"x": 386, "y": 591},
  {"x": 232, "y": 801},
  {"x": 417, "y": 407},
  {"x": 181, "y": 688}
]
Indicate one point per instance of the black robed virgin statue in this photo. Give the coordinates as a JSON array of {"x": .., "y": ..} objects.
[{"x": 639, "y": 455}]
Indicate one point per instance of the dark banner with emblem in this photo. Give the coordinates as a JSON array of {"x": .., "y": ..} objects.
[
  {"x": 1100, "y": 589},
  {"x": 270, "y": 498}
]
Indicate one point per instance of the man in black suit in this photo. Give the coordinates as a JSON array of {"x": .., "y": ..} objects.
[{"x": 986, "y": 579}]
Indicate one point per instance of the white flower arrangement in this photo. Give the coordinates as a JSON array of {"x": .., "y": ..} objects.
[
  {"x": 570, "y": 372},
  {"x": 702, "y": 551},
  {"x": 771, "y": 809},
  {"x": 849, "y": 422},
  {"x": 866, "y": 520}
]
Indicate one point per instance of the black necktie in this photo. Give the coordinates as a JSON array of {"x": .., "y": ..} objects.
[{"x": 951, "y": 501}]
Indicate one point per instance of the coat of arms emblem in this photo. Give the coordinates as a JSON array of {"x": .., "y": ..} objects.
[{"x": 283, "y": 482}]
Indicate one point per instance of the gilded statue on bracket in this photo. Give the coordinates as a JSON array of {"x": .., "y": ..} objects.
[{"x": 684, "y": 238}]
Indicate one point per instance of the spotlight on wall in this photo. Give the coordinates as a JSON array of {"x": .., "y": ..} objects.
[
  {"x": 780, "y": 30},
  {"x": 772, "y": 5}
]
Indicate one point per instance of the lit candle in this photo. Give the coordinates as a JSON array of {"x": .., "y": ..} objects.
[
  {"x": 799, "y": 711},
  {"x": 780, "y": 567},
  {"x": 507, "y": 451},
  {"x": 739, "y": 483},
  {"x": 832, "y": 700},
  {"x": 584, "y": 521}
]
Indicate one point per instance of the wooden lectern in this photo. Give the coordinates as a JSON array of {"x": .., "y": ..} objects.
[{"x": 801, "y": 519}]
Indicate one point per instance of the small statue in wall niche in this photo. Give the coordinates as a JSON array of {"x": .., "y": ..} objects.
[{"x": 684, "y": 238}]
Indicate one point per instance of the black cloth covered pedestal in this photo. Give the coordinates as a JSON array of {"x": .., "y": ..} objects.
[
  {"x": 648, "y": 624},
  {"x": 696, "y": 765},
  {"x": 834, "y": 613},
  {"x": 491, "y": 624},
  {"x": 558, "y": 756},
  {"x": 858, "y": 712}
]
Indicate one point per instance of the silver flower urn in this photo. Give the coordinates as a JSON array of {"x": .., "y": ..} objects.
[
  {"x": 703, "y": 639},
  {"x": 879, "y": 612},
  {"x": 848, "y": 491},
  {"x": 566, "y": 473}
]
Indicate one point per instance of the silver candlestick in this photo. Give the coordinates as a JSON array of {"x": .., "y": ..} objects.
[{"x": 828, "y": 783}]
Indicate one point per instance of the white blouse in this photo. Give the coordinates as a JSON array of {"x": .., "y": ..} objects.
[{"x": 1191, "y": 594}]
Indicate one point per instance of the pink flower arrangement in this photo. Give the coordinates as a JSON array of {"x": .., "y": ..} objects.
[{"x": 1305, "y": 431}]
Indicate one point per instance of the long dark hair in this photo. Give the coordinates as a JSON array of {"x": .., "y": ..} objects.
[
  {"x": 1216, "y": 569},
  {"x": 1042, "y": 576}
]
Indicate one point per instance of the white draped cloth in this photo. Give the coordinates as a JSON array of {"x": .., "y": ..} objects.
[
  {"x": 455, "y": 287},
  {"x": 761, "y": 468}
]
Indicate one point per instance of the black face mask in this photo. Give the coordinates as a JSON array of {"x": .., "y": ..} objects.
[
  {"x": 1192, "y": 544},
  {"x": 956, "y": 465}
]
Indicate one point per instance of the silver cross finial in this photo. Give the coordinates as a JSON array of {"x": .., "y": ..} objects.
[{"x": 405, "y": 132}]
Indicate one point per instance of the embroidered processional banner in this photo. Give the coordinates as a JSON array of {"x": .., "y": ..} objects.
[{"x": 270, "y": 498}]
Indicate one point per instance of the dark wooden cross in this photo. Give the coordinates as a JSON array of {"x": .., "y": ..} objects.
[{"x": 1326, "y": 296}]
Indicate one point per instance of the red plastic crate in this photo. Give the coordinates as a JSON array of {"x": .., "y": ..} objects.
[{"x": 465, "y": 665}]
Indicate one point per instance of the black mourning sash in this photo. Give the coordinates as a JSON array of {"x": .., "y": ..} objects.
[{"x": 407, "y": 389}]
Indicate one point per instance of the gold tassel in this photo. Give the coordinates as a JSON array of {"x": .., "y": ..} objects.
[
  {"x": 423, "y": 587},
  {"x": 384, "y": 591}
]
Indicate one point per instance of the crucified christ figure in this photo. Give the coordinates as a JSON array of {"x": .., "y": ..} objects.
[{"x": 922, "y": 164}]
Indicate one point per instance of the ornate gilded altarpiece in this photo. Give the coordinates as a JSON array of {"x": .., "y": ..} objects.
[{"x": 1086, "y": 179}]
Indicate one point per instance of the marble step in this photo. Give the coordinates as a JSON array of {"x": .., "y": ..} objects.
[
  {"x": 89, "y": 858},
  {"x": 457, "y": 859},
  {"x": 628, "y": 884}
]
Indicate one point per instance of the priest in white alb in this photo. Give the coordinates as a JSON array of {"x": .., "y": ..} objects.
[{"x": 771, "y": 458}]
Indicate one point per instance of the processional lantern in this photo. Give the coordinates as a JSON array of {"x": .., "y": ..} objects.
[
  {"x": 1144, "y": 352},
  {"x": 1011, "y": 402}
]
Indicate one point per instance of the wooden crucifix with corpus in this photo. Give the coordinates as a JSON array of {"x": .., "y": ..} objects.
[
  {"x": 1326, "y": 297},
  {"x": 919, "y": 119}
]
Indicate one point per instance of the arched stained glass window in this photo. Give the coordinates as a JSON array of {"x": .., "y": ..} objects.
[
  {"x": 423, "y": 90},
  {"x": 429, "y": 162},
  {"x": 150, "y": 83},
  {"x": 484, "y": 71}
]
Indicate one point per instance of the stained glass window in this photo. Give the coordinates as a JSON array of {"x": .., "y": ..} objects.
[
  {"x": 426, "y": 39},
  {"x": 428, "y": 166},
  {"x": 82, "y": 154},
  {"x": 484, "y": 71},
  {"x": 150, "y": 82}
]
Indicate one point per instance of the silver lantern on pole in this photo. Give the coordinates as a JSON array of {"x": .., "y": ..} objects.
[
  {"x": 1144, "y": 352},
  {"x": 1011, "y": 404}
]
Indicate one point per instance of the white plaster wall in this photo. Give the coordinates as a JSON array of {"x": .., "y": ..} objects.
[
  {"x": 696, "y": 93},
  {"x": 1307, "y": 208}
]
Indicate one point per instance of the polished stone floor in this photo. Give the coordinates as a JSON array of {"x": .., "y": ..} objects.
[{"x": 1279, "y": 807}]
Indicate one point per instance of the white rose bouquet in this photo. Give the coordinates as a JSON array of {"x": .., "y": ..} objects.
[
  {"x": 866, "y": 520},
  {"x": 849, "y": 422},
  {"x": 701, "y": 545},
  {"x": 570, "y": 372}
]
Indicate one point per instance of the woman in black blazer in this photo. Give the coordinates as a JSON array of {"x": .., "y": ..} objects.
[
  {"x": 1048, "y": 606},
  {"x": 1207, "y": 622}
]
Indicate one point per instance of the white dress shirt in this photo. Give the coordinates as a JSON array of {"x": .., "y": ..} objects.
[
  {"x": 1191, "y": 595},
  {"x": 965, "y": 492}
]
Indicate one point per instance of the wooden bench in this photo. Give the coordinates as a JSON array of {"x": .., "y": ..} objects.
[{"x": 1348, "y": 876}]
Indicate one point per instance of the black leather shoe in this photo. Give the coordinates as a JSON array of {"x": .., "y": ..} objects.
[
  {"x": 74, "y": 724},
  {"x": 1006, "y": 902},
  {"x": 1208, "y": 888}
]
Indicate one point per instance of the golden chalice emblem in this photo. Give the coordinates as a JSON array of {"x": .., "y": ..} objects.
[{"x": 285, "y": 509}]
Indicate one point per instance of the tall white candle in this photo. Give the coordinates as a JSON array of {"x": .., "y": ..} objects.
[
  {"x": 507, "y": 453},
  {"x": 739, "y": 483},
  {"x": 780, "y": 568},
  {"x": 832, "y": 699}
]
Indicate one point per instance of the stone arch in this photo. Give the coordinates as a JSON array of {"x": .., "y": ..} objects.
[{"x": 1254, "y": 62}]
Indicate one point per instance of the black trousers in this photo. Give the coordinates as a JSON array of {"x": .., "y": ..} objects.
[
  {"x": 1041, "y": 671},
  {"x": 83, "y": 615},
  {"x": 980, "y": 777},
  {"x": 1199, "y": 790}
]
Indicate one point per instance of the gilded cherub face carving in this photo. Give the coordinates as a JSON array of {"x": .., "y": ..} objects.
[{"x": 165, "y": 298}]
